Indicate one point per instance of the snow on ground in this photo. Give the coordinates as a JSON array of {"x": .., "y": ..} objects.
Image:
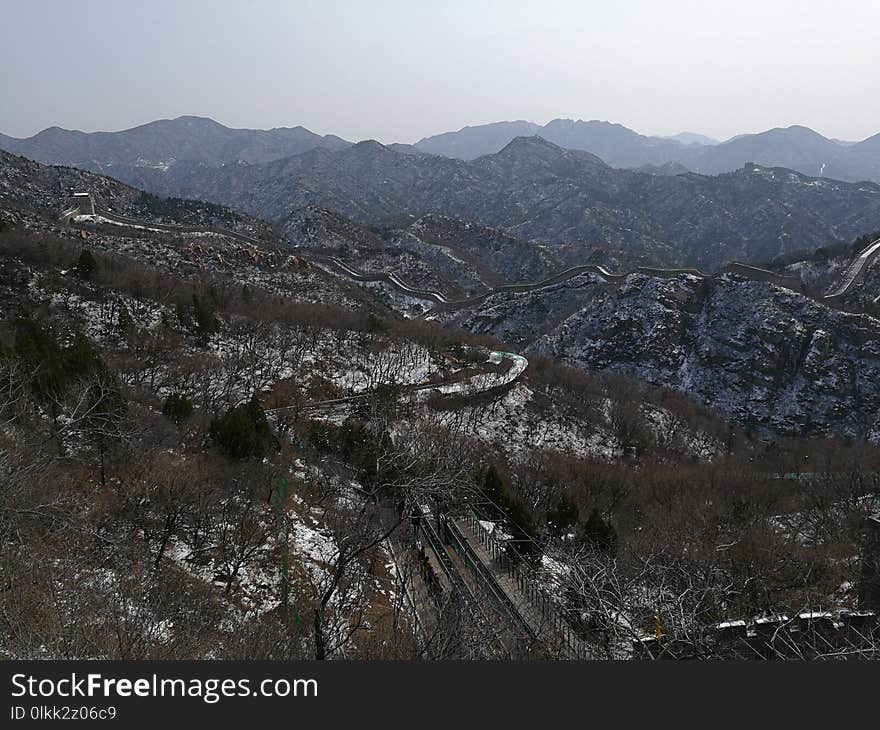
[
  {"x": 257, "y": 586},
  {"x": 314, "y": 546},
  {"x": 509, "y": 423},
  {"x": 100, "y": 318},
  {"x": 400, "y": 363},
  {"x": 107, "y": 221},
  {"x": 484, "y": 381},
  {"x": 669, "y": 432}
]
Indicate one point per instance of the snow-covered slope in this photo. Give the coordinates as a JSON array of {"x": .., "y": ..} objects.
[{"x": 764, "y": 355}]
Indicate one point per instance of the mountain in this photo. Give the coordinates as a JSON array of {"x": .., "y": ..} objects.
[
  {"x": 141, "y": 155},
  {"x": 161, "y": 144},
  {"x": 469, "y": 143},
  {"x": 692, "y": 138},
  {"x": 798, "y": 148},
  {"x": 534, "y": 189},
  {"x": 432, "y": 252},
  {"x": 217, "y": 365},
  {"x": 868, "y": 147},
  {"x": 614, "y": 143},
  {"x": 768, "y": 358},
  {"x": 667, "y": 168},
  {"x": 29, "y": 185}
]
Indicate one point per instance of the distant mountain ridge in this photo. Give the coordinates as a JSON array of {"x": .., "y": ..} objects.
[
  {"x": 164, "y": 143},
  {"x": 692, "y": 138},
  {"x": 797, "y": 148},
  {"x": 199, "y": 141}
]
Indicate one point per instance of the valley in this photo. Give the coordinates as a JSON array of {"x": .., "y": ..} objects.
[{"x": 401, "y": 429}]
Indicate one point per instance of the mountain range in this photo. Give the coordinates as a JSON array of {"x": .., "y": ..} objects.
[
  {"x": 797, "y": 148},
  {"x": 162, "y": 144},
  {"x": 536, "y": 190},
  {"x": 762, "y": 355},
  {"x": 200, "y": 141},
  {"x": 532, "y": 189}
]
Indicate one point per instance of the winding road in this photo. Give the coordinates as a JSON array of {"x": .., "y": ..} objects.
[{"x": 105, "y": 216}]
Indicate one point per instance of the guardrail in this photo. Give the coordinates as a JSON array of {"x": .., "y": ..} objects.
[
  {"x": 484, "y": 576},
  {"x": 427, "y": 531},
  {"x": 525, "y": 578}
]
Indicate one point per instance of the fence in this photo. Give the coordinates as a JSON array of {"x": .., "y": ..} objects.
[{"x": 525, "y": 578}]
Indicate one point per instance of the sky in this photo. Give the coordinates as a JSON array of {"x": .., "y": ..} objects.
[{"x": 399, "y": 70}]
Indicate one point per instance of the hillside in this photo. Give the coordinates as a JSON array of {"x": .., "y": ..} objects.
[{"x": 536, "y": 190}]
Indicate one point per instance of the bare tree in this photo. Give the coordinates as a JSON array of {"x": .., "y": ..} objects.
[{"x": 240, "y": 535}]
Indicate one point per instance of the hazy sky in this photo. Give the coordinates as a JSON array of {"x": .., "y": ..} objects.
[{"x": 400, "y": 70}]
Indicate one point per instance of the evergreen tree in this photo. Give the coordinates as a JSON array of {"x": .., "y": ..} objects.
[
  {"x": 124, "y": 321},
  {"x": 242, "y": 431},
  {"x": 55, "y": 370},
  {"x": 81, "y": 359},
  {"x": 513, "y": 512},
  {"x": 599, "y": 533},
  {"x": 205, "y": 319},
  {"x": 42, "y": 354},
  {"x": 86, "y": 265},
  {"x": 177, "y": 407},
  {"x": 183, "y": 315},
  {"x": 375, "y": 324},
  {"x": 493, "y": 486},
  {"x": 562, "y": 516}
]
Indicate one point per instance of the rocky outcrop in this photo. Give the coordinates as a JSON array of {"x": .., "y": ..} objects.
[{"x": 764, "y": 356}]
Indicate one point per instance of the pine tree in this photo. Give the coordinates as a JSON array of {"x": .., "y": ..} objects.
[
  {"x": 243, "y": 431},
  {"x": 177, "y": 407},
  {"x": 562, "y": 516},
  {"x": 205, "y": 319},
  {"x": 599, "y": 533},
  {"x": 86, "y": 265},
  {"x": 44, "y": 358}
]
